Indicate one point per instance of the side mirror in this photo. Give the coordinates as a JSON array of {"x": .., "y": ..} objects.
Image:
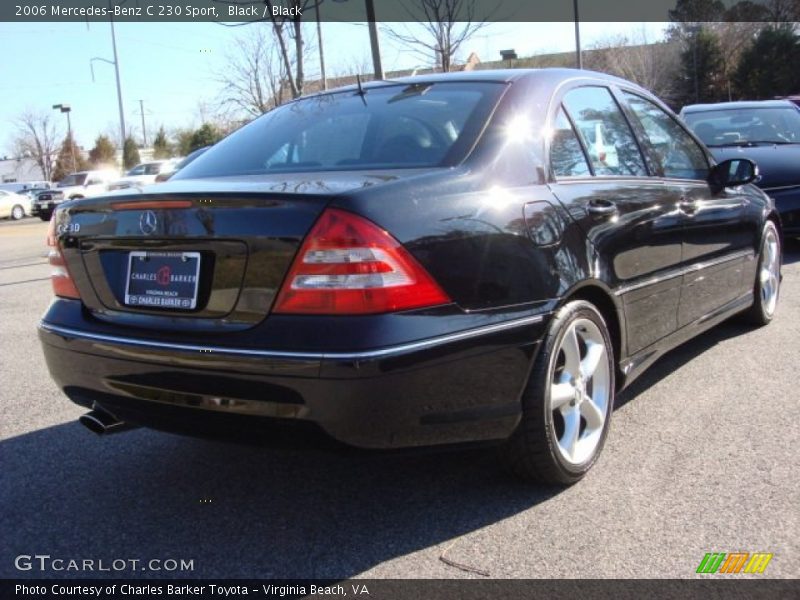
[{"x": 732, "y": 172}]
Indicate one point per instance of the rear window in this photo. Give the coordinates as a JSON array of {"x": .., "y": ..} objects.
[
  {"x": 74, "y": 179},
  {"x": 396, "y": 126}
]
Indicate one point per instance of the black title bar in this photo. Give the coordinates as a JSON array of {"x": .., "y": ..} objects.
[
  {"x": 396, "y": 589},
  {"x": 243, "y": 11}
]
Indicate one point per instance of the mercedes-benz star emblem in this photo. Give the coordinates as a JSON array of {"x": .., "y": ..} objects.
[{"x": 148, "y": 222}]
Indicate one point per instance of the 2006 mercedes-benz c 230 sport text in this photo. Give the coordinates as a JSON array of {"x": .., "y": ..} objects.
[{"x": 472, "y": 257}]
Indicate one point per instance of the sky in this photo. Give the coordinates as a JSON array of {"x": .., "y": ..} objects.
[{"x": 174, "y": 67}]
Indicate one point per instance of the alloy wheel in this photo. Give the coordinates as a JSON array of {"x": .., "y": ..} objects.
[
  {"x": 770, "y": 272},
  {"x": 580, "y": 393}
]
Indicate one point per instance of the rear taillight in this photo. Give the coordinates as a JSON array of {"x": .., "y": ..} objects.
[
  {"x": 59, "y": 276},
  {"x": 347, "y": 265}
]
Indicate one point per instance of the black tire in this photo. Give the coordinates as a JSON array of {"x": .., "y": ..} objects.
[
  {"x": 531, "y": 453},
  {"x": 44, "y": 216},
  {"x": 17, "y": 212},
  {"x": 759, "y": 314}
]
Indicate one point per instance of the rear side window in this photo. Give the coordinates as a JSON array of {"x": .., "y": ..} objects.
[
  {"x": 605, "y": 133},
  {"x": 678, "y": 153},
  {"x": 566, "y": 154}
]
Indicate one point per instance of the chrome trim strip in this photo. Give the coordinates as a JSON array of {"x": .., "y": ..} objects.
[
  {"x": 780, "y": 188},
  {"x": 684, "y": 271},
  {"x": 365, "y": 355}
]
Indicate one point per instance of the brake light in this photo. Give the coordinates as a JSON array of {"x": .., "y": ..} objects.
[
  {"x": 59, "y": 276},
  {"x": 347, "y": 265},
  {"x": 153, "y": 204}
]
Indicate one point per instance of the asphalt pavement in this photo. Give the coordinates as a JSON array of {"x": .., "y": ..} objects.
[{"x": 701, "y": 457}]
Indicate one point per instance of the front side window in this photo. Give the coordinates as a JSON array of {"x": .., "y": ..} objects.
[
  {"x": 678, "y": 153},
  {"x": 137, "y": 170},
  {"x": 566, "y": 154},
  {"x": 605, "y": 133},
  {"x": 391, "y": 126}
]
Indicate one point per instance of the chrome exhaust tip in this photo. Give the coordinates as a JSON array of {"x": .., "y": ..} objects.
[{"x": 102, "y": 422}]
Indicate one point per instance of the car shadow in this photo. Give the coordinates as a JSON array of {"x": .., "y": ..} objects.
[
  {"x": 685, "y": 353},
  {"x": 239, "y": 511},
  {"x": 791, "y": 251}
]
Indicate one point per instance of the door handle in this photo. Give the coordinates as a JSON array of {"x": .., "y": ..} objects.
[
  {"x": 601, "y": 207},
  {"x": 687, "y": 205}
]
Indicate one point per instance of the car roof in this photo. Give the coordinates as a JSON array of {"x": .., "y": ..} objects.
[
  {"x": 745, "y": 104},
  {"x": 548, "y": 77}
]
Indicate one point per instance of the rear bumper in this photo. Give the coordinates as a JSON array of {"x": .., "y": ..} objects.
[
  {"x": 43, "y": 208},
  {"x": 455, "y": 388}
]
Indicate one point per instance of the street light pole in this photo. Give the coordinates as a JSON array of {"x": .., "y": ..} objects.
[
  {"x": 374, "y": 41},
  {"x": 65, "y": 108},
  {"x": 578, "y": 55},
  {"x": 114, "y": 62},
  {"x": 119, "y": 86},
  {"x": 144, "y": 131}
]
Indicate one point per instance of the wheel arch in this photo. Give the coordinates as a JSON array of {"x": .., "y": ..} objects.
[
  {"x": 601, "y": 297},
  {"x": 775, "y": 217}
]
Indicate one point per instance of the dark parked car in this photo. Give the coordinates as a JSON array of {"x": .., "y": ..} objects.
[
  {"x": 469, "y": 257},
  {"x": 767, "y": 132},
  {"x": 45, "y": 203},
  {"x": 165, "y": 175}
]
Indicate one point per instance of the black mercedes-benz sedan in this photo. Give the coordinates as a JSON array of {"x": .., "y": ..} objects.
[{"x": 471, "y": 257}]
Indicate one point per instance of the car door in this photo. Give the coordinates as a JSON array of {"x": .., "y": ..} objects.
[
  {"x": 5, "y": 204},
  {"x": 602, "y": 179},
  {"x": 95, "y": 185},
  {"x": 718, "y": 237}
]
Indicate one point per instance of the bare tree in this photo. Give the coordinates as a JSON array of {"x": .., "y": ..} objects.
[
  {"x": 286, "y": 20},
  {"x": 289, "y": 31},
  {"x": 783, "y": 11},
  {"x": 734, "y": 38},
  {"x": 653, "y": 66},
  {"x": 37, "y": 136},
  {"x": 446, "y": 25},
  {"x": 254, "y": 80}
]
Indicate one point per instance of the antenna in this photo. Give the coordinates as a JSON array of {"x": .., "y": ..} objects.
[{"x": 361, "y": 92}]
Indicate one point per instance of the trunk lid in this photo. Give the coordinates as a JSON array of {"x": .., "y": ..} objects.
[{"x": 228, "y": 242}]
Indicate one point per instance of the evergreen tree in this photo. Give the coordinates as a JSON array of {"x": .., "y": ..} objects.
[
  {"x": 130, "y": 153},
  {"x": 161, "y": 147},
  {"x": 104, "y": 152},
  {"x": 702, "y": 69},
  {"x": 69, "y": 160},
  {"x": 769, "y": 67},
  {"x": 184, "y": 141},
  {"x": 207, "y": 135},
  {"x": 697, "y": 11}
]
